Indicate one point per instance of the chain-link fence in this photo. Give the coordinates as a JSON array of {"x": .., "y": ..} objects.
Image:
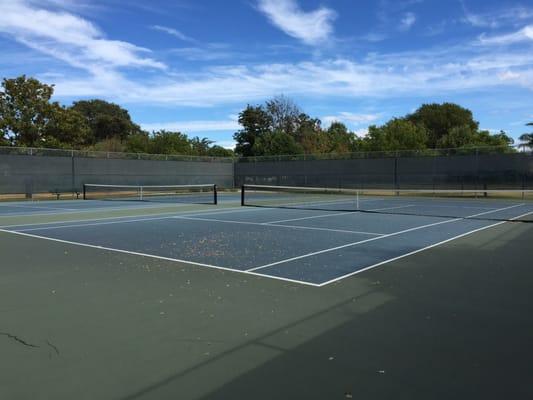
[
  {"x": 29, "y": 171},
  {"x": 473, "y": 168}
]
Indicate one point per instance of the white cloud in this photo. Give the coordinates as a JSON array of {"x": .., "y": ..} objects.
[
  {"x": 173, "y": 32},
  {"x": 361, "y": 132},
  {"x": 227, "y": 144},
  {"x": 496, "y": 18},
  {"x": 383, "y": 75},
  {"x": 350, "y": 118},
  {"x": 69, "y": 37},
  {"x": 194, "y": 126},
  {"x": 524, "y": 34},
  {"x": 311, "y": 27},
  {"x": 407, "y": 21}
]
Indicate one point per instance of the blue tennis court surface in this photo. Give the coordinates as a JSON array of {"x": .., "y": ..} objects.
[{"x": 305, "y": 246}]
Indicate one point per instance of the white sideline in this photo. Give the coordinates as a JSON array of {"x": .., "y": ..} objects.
[
  {"x": 420, "y": 250},
  {"x": 159, "y": 257},
  {"x": 377, "y": 238}
]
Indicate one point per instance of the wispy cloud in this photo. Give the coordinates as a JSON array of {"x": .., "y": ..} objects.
[
  {"x": 173, "y": 32},
  {"x": 508, "y": 16},
  {"x": 524, "y": 34},
  {"x": 311, "y": 27},
  {"x": 407, "y": 21},
  {"x": 349, "y": 118},
  {"x": 69, "y": 37},
  {"x": 194, "y": 126}
]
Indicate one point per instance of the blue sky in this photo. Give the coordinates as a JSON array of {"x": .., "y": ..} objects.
[{"x": 193, "y": 65}]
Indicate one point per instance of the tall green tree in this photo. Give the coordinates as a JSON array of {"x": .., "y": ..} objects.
[
  {"x": 255, "y": 122},
  {"x": 276, "y": 143},
  {"x": 397, "y": 134},
  {"x": 340, "y": 139},
  {"x": 440, "y": 119},
  {"x": 106, "y": 120},
  {"x": 67, "y": 128},
  {"x": 285, "y": 115},
  {"x": 167, "y": 142},
  {"x": 200, "y": 147},
  {"x": 527, "y": 138},
  {"x": 25, "y": 110},
  {"x": 219, "y": 151}
]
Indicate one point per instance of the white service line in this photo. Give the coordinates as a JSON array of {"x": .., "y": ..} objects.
[
  {"x": 276, "y": 225},
  {"x": 333, "y": 214},
  {"x": 377, "y": 238},
  {"x": 159, "y": 257},
  {"x": 420, "y": 250}
]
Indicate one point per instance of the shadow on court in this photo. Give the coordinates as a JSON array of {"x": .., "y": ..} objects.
[{"x": 453, "y": 321}]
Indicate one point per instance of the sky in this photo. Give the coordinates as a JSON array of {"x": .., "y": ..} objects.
[{"x": 193, "y": 65}]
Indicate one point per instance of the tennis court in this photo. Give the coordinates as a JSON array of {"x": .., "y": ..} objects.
[
  {"x": 150, "y": 297},
  {"x": 294, "y": 240}
]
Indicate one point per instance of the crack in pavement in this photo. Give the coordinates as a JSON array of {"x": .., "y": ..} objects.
[
  {"x": 16, "y": 338},
  {"x": 53, "y": 347}
]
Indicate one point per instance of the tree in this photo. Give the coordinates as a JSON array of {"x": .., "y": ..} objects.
[
  {"x": 527, "y": 138},
  {"x": 285, "y": 114},
  {"x": 397, "y": 134},
  {"x": 166, "y": 142},
  {"x": 255, "y": 122},
  {"x": 340, "y": 139},
  {"x": 138, "y": 143},
  {"x": 106, "y": 120},
  {"x": 276, "y": 143},
  {"x": 439, "y": 119},
  {"x": 219, "y": 151},
  {"x": 67, "y": 128},
  {"x": 25, "y": 110},
  {"x": 458, "y": 136},
  {"x": 200, "y": 147}
]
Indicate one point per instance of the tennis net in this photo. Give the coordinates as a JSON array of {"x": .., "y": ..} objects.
[
  {"x": 497, "y": 205},
  {"x": 194, "y": 194}
]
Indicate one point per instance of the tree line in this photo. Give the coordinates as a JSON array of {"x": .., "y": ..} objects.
[
  {"x": 28, "y": 118},
  {"x": 280, "y": 127}
]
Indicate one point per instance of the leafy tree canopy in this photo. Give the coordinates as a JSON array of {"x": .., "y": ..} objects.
[
  {"x": 439, "y": 119},
  {"x": 106, "y": 120}
]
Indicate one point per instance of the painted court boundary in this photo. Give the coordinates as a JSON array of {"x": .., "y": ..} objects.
[{"x": 252, "y": 270}]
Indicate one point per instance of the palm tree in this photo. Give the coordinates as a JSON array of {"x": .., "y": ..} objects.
[{"x": 527, "y": 138}]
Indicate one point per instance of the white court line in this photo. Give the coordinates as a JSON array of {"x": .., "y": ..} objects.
[
  {"x": 275, "y": 225},
  {"x": 419, "y": 250},
  {"x": 37, "y": 207},
  {"x": 354, "y": 212},
  {"x": 124, "y": 207},
  {"x": 377, "y": 238},
  {"x": 135, "y": 253},
  {"x": 206, "y": 212}
]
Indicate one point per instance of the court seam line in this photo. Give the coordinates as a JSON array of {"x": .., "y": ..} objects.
[
  {"x": 111, "y": 249},
  {"x": 375, "y": 238},
  {"x": 275, "y": 225},
  {"x": 419, "y": 250}
]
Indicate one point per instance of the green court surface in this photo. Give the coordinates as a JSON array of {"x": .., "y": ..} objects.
[{"x": 76, "y": 322}]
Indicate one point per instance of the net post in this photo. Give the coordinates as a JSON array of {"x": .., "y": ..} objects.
[
  {"x": 357, "y": 200},
  {"x": 242, "y": 195},
  {"x": 84, "y": 192},
  {"x": 140, "y": 193},
  {"x": 215, "y": 194}
]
